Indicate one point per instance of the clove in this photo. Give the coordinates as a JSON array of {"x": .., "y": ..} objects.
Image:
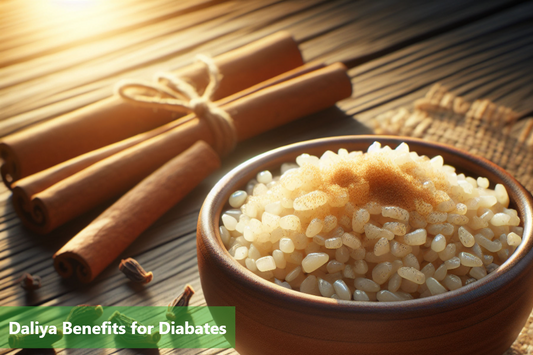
[
  {"x": 30, "y": 282},
  {"x": 134, "y": 271},
  {"x": 180, "y": 303}
]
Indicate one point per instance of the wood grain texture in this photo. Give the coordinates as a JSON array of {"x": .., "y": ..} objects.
[{"x": 399, "y": 49}]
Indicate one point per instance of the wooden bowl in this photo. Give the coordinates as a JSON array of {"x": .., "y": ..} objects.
[{"x": 484, "y": 317}]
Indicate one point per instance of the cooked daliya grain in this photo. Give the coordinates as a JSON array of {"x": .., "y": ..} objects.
[{"x": 386, "y": 225}]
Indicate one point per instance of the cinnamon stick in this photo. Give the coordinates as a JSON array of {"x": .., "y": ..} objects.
[
  {"x": 102, "y": 241},
  {"x": 252, "y": 114},
  {"x": 111, "y": 120}
]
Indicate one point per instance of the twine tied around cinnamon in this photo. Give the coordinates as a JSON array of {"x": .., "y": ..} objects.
[{"x": 178, "y": 94}]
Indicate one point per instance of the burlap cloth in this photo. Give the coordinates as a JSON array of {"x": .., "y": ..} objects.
[{"x": 480, "y": 127}]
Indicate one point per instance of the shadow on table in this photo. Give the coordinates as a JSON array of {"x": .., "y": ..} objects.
[
  {"x": 36, "y": 352},
  {"x": 524, "y": 351}
]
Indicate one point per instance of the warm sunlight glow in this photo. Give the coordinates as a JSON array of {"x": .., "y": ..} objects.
[
  {"x": 74, "y": 2},
  {"x": 65, "y": 7},
  {"x": 73, "y": 19}
]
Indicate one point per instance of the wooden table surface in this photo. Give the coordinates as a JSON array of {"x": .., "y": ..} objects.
[{"x": 58, "y": 55}]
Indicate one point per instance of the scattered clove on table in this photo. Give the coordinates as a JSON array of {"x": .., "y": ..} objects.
[
  {"x": 134, "y": 271},
  {"x": 30, "y": 282},
  {"x": 180, "y": 303}
]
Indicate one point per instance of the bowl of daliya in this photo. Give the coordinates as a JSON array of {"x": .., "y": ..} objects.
[{"x": 371, "y": 245}]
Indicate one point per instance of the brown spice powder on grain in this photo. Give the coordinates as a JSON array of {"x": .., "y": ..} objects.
[{"x": 376, "y": 178}]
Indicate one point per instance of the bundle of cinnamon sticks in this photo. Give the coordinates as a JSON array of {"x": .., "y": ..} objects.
[{"x": 66, "y": 166}]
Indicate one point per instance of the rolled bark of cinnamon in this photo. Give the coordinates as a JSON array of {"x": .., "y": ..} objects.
[
  {"x": 111, "y": 120},
  {"x": 102, "y": 241},
  {"x": 107, "y": 178}
]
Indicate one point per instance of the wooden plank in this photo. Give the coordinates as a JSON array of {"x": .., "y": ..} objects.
[
  {"x": 68, "y": 58},
  {"x": 75, "y": 26},
  {"x": 473, "y": 61},
  {"x": 305, "y": 24}
]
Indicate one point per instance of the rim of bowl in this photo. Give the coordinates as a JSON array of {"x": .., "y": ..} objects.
[{"x": 217, "y": 198}]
